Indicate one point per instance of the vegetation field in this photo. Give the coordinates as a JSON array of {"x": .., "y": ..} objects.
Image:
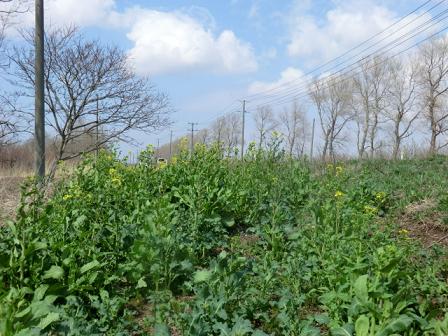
[{"x": 216, "y": 246}]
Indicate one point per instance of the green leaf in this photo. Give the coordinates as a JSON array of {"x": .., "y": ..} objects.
[
  {"x": 362, "y": 326},
  {"x": 202, "y": 276},
  {"x": 49, "y": 319},
  {"x": 322, "y": 318},
  {"x": 89, "y": 266},
  {"x": 55, "y": 272},
  {"x": 360, "y": 288},
  {"x": 39, "y": 293},
  {"x": 398, "y": 325},
  {"x": 141, "y": 284},
  {"x": 161, "y": 329},
  {"x": 346, "y": 330}
]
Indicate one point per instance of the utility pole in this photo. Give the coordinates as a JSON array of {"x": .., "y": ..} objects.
[
  {"x": 242, "y": 129},
  {"x": 158, "y": 148},
  {"x": 312, "y": 139},
  {"x": 39, "y": 109},
  {"x": 171, "y": 144},
  {"x": 97, "y": 128},
  {"x": 192, "y": 137}
]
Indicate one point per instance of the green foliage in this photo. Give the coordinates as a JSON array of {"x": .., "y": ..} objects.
[{"x": 215, "y": 246}]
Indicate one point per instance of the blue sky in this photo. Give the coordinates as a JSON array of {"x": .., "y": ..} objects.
[{"x": 208, "y": 54}]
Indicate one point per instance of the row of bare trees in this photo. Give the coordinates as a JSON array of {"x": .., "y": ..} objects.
[
  {"x": 377, "y": 107},
  {"x": 387, "y": 100}
]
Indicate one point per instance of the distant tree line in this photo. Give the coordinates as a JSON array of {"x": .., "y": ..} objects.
[{"x": 384, "y": 107}]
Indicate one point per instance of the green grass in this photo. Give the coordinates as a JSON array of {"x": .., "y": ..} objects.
[{"x": 213, "y": 246}]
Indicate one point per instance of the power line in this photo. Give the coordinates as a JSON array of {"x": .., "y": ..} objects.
[
  {"x": 355, "y": 47},
  {"x": 304, "y": 88}
]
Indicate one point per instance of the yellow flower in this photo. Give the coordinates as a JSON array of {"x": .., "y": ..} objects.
[
  {"x": 403, "y": 232},
  {"x": 339, "y": 170},
  {"x": 173, "y": 160},
  {"x": 380, "y": 196},
  {"x": 338, "y": 194},
  {"x": 371, "y": 210},
  {"x": 67, "y": 197}
]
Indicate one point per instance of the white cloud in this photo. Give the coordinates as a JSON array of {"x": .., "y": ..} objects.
[
  {"x": 173, "y": 41},
  {"x": 316, "y": 40},
  {"x": 162, "y": 42},
  {"x": 289, "y": 76},
  {"x": 70, "y": 12},
  {"x": 79, "y": 12}
]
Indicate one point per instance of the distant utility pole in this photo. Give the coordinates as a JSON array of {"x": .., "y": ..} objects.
[
  {"x": 192, "y": 137},
  {"x": 171, "y": 144},
  {"x": 158, "y": 148},
  {"x": 39, "y": 109},
  {"x": 312, "y": 139},
  {"x": 242, "y": 129}
]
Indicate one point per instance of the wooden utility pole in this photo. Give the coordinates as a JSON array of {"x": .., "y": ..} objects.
[
  {"x": 192, "y": 137},
  {"x": 97, "y": 127},
  {"x": 312, "y": 139},
  {"x": 242, "y": 129},
  {"x": 39, "y": 109},
  {"x": 171, "y": 144}
]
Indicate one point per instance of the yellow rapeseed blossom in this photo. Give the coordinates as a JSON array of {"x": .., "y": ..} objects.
[
  {"x": 115, "y": 178},
  {"x": 403, "y": 232},
  {"x": 67, "y": 197},
  {"x": 339, "y": 170},
  {"x": 338, "y": 194},
  {"x": 380, "y": 196},
  {"x": 173, "y": 160},
  {"x": 371, "y": 210}
]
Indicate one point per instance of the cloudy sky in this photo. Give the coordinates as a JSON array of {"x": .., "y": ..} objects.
[{"x": 207, "y": 55}]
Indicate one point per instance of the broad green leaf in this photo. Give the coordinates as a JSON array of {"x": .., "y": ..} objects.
[
  {"x": 346, "y": 330},
  {"x": 398, "y": 325},
  {"x": 49, "y": 319},
  {"x": 141, "y": 283},
  {"x": 89, "y": 266},
  {"x": 360, "y": 288},
  {"x": 202, "y": 276},
  {"x": 39, "y": 293},
  {"x": 362, "y": 326},
  {"x": 55, "y": 272}
]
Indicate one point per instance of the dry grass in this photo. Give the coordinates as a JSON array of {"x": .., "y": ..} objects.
[
  {"x": 425, "y": 222},
  {"x": 9, "y": 196}
]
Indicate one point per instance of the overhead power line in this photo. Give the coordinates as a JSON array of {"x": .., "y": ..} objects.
[
  {"x": 344, "y": 78},
  {"x": 289, "y": 83},
  {"x": 357, "y": 64}
]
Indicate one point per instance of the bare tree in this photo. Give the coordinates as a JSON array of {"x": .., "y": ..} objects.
[
  {"x": 232, "y": 131},
  {"x": 370, "y": 88},
  {"x": 203, "y": 136},
  {"x": 89, "y": 87},
  {"x": 9, "y": 10},
  {"x": 8, "y": 129},
  {"x": 433, "y": 80},
  {"x": 402, "y": 98},
  {"x": 332, "y": 98},
  {"x": 293, "y": 123},
  {"x": 218, "y": 129},
  {"x": 264, "y": 123}
]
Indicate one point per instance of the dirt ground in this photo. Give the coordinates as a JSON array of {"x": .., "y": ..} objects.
[
  {"x": 9, "y": 196},
  {"x": 424, "y": 222}
]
